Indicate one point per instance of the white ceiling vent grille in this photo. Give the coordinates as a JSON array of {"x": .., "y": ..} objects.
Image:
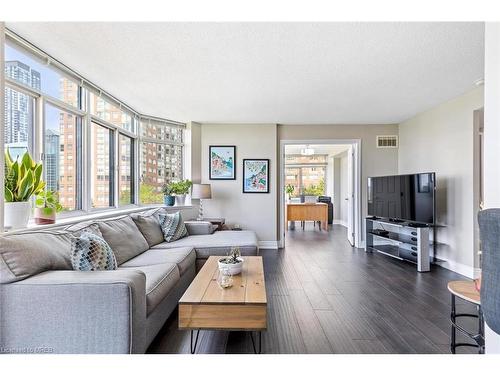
[{"x": 387, "y": 141}]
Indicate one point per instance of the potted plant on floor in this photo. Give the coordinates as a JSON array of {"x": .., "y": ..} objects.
[
  {"x": 46, "y": 207},
  {"x": 22, "y": 181},
  {"x": 180, "y": 189},
  {"x": 233, "y": 263},
  {"x": 168, "y": 198}
]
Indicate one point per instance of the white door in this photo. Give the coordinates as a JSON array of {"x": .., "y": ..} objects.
[{"x": 350, "y": 196}]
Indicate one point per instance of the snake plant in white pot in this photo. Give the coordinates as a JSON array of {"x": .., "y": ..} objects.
[{"x": 23, "y": 179}]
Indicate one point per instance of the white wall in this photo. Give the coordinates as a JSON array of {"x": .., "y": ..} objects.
[
  {"x": 492, "y": 138},
  {"x": 441, "y": 140},
  {"x": 256, "y": 212}
]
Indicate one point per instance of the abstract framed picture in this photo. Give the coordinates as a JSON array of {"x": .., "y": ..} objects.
[
  {"x": 255, "y": 175},
  {"x": 222, "y": 162}
]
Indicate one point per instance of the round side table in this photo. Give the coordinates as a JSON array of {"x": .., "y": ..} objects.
[{"x": 466, "y": 291}]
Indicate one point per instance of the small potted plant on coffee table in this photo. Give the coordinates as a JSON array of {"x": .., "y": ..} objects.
[
  {"x": 168, "y": 198},
  {"x": 46, "y": 206},
  {"x": 233, "y": 263}
]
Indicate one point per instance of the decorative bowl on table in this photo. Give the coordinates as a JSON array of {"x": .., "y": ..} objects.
[{"x": 231, "y": 266}]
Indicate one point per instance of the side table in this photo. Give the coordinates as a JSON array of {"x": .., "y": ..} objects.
[
  {"x": 466, "y": 290},
  {"x": 218, "y": 221}
]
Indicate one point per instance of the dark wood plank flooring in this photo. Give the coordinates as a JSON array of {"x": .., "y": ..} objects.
[{"x": 325, "y": 296}]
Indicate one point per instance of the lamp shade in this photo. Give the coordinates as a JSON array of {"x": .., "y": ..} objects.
[{"x": 201, "y": 191}]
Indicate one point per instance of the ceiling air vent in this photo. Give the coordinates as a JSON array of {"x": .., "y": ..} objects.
[{"x": 387, "y": 141}]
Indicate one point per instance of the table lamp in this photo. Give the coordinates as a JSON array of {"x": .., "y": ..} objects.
[{"x": 201, "y": 192}]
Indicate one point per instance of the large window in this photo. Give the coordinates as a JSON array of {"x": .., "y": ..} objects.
[
  {"x": 33, "y": 73},
  {"x": 101, "y": 184},
  {"x": 126, "y": 184},
  {"x": 306, "y": 173},
  {"x": 160, "y": 164},
  {"x": 19, "y": 120},
  {"x": 97, "y": 152},
  {"x": 62, "y": 156},
  {"x": 110, "y": 113}
]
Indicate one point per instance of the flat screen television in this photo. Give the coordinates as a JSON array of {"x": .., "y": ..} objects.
[{"x": 409, "y": 197}]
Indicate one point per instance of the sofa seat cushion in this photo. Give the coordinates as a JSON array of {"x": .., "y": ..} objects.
[
  {"x": 124, "y": 237},
  {"x": 184, "y": 257},
  {"x": 161, "y": 279},
  {"x": 29, "y": 253},
  {"x": 219, "y": 243}
]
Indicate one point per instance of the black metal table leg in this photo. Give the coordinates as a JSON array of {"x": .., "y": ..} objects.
[
  {"x": 453, "y": 322},
  {"x": 260, "y": 343},
  {"x": 480, "y": 334},
  {"x": 193, "y": 348}
]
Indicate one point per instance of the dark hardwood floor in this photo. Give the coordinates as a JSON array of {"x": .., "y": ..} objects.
[{"x": 325, "y": 296}]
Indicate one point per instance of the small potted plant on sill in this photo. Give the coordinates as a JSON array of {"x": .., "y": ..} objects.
[
  {"x": 23, "y": 179},
  {"x": 46, "y": 207},
  {"x": 168, "y": 198},
  {"x": 233, "y": 263},
  {"x": 180, "y": 189}
]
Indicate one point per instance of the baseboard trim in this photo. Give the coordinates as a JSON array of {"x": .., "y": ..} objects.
[
  {"x": 460, "y": 268},
  {"x": 273, "y": 245},
  {"x": 339, "y": 222}
]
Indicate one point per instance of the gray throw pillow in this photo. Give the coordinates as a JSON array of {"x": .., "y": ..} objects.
[
  {"x": 90, "y": 252},
  {"x": 172, "y": 226}
]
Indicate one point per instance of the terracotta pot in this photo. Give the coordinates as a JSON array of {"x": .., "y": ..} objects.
[{"x": 45, "y": 216}]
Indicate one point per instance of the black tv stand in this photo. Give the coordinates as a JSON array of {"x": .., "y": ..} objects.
[
  {"x": 400, "y": 240},
  {"x": 396, "y": 220},
  {"x": 417, "y": 225}
]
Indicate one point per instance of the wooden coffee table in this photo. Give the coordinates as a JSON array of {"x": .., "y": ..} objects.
[{"x": 242, "y": 307}]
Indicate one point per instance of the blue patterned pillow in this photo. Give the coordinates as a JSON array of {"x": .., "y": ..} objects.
[
  {"x": 172, "y": 226},
  {"x": 90, "y": 252}
]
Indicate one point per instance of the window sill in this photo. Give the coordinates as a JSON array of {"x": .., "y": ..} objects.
[{"x": 73, "y": 219}]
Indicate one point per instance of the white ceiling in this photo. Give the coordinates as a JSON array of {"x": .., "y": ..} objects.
[
  {"x": 271, "y": 72},
  {"x": 318, "y": 149}
]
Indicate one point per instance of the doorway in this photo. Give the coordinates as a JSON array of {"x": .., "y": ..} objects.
[{"x": 324, "y": 171}]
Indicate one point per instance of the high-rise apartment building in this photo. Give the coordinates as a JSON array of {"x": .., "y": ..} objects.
[{"x": 18, "y": 106}]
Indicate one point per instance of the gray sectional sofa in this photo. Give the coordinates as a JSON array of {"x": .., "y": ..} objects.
[{"x": 45, "y": 306}]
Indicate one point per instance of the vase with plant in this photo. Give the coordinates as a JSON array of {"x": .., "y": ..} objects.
[
  {"x": 289, "y": 190},
  {"x": 233, "y": 263},
  {"x": 46, "y": 207},
  {"x": 180, "y": 189},
  {"x": 168, "y": 198},
  {"x": 23, "y": 179}
]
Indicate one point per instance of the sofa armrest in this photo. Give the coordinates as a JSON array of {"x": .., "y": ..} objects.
[
  {"x": 75, "y": 312},
  {"x": 199, "y": 227}
]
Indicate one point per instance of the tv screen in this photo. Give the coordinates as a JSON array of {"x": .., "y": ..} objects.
[{"x": 403, "y": 197}]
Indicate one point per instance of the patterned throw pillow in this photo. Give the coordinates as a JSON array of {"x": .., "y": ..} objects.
[
  {"x": 172, "y": 226},
  {"x": 90, "y": 252}
]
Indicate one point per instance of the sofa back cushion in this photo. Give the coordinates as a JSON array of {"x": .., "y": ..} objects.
[
  {"x": 124, "y": 237},
  {"x": 148, "y": 224},
  {"x": 27, "y": 254},
  {"x": 85, "y": 226}
]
